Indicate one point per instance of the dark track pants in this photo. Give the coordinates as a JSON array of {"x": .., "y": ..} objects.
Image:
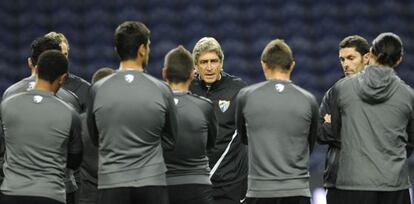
[
  {"x": 7, "y": 199},
  {"x": 230, "y": 194},
  {"x": 190, "y": 194},
  {"x": 131, "y": 195},
  {"x": 284, "y": 200},
  {"x": 337, "y": 196}
]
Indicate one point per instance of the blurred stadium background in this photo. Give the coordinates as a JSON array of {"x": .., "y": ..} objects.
[{"x": 313, "y": 29}]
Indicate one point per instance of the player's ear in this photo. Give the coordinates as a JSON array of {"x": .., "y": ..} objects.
[
  {"x": 142, "y": 50},
  {"x": 371, "y": 56},
  {"x": 164, "y": 73},
  {"x": 35, "y": 70},
  {"x": 197, "y": 69},
  {"x": 62, "y": 78},
  {"x": 398, "y": 62},
  {"x": 30, "y": 63},
  {"x": 264, "y": 65},
  {"x": 292, "y": 66},
  {"x": 192, "y": 74},
  {"x": 365, "y": 58}
]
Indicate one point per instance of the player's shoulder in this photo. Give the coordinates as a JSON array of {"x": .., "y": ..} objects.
[
  {"x": 12, "y": 89},
  {"x": 78, "y": 80},
  {"x": 102, "y": 81},
  {"x": 204, "y": 104},
  {"x": 69, "y": 97},
  {"x": 153, "y": 79},
  {"x": 406, "y": 89},
  {"x": 65, "y": 106},
  {"x": 10, "y": 99},
  {"x": 346, "y": 81},
  {"x": 159, "y": 83},
  {"x": 233, "y": 80},
  {"x": 21, "y": 86},
  {"x": 305, "y": 93},
  {"x": 200, "y": 99},
  {"x": 251, "y": 88}
]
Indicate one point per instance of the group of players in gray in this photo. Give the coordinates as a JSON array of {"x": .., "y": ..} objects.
[{"x": 203, "y": 136}]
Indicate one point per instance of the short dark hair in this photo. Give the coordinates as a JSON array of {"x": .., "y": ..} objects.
[
  {"x": 179, "y": 64},
  {"x": 388, "y": 49},
  {"x": 128, "y": 37},
  {"x": 42, "y": 44},
  {"x": 355, "y": 41},
  {"x": 51, "y": 65},
  {"x": 277, "y": 54},
  {"x": 101, "y": 73}
]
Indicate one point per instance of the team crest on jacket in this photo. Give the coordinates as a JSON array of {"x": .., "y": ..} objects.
[
  {"x": 279, "y": 87},
  {"x": 223, "y": 105},
  {"x": 37, "y": 99},
  {"x": 176, "y": 101},
  {"x": 129, "y": 78}
]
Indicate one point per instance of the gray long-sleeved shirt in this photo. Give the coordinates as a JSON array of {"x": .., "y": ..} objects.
[
  {"x": 78, "y": 87},
  {"x": 42, "y": 136},
  {"x": 278, "y": 121},
  {"x": 130, "y": 115},
  {"x": 197, "y": 131},
  {"x": 373, "y": 116},
  {"x": 89, "y": 166},
  {"x": 67, "y": 96},
  {"x": 28, "y": 83}
]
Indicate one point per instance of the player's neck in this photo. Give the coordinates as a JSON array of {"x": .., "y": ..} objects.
[
  {"x": 131, "y": 65},
  {"x": 285, "y": 76},
  {"x": 33, "y": 72},
  {"x": 180, "y": 87},
  {"x": 44, "y": 85},
  {"x": 375, "y": 63}
]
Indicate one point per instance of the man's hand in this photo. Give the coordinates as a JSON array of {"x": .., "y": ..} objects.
[{"x": 327, "y": 118}]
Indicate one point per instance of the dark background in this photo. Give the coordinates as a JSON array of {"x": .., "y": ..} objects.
[{"x": 313, "y": 29}]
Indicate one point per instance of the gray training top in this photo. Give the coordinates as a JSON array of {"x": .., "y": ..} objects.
[
  {"x": 130, "y": 112},
  {"x": 40, "y": 130},
  {"x": 373, "y": 114},
  {"x": 197, "y": 131},
  {"x": 67, "y": 96},
  {"x": 28, "y": 83},
  {"x": 279, "y": 121}
]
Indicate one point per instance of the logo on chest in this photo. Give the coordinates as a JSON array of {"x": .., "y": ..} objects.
[{"x": 223, "y": 105}]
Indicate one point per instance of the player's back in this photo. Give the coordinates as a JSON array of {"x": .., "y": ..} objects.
[
  {"x": 130, "y": 109},
  {"x": 376, "y": 109},
  {"x": 197, "y": 126},
  {"x": 37, "y": 129},
  {"x": 278, "y": 117}
]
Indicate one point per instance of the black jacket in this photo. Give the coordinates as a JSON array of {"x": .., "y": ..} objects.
[
  {"x": 228, "y": 159},
  {"x": 326, "y": 137}
]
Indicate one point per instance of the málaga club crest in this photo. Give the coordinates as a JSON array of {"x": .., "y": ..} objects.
[{"x": 223, "y": 105}]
